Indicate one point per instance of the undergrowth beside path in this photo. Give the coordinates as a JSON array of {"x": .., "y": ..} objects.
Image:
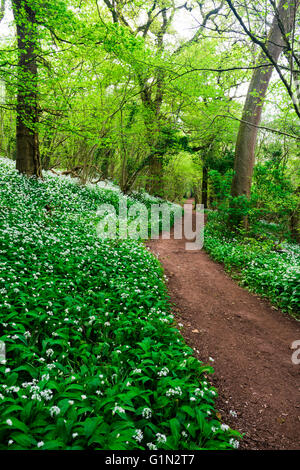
[
  {"x": 258, "y": 266},
  {"x": 93, "y": 358}
]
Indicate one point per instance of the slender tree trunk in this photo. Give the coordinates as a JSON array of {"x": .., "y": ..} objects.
[
  {"x": 196, "y": 194},
  {"x": 105, "y": 162},
  {"x": 28, "y": 155},
  {"x": 247, "y": 135}
]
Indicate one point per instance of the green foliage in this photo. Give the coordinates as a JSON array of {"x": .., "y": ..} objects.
[
  {"x": 94, "y": 359},
  {"x": 262, "y": 257},
  {"x": 93, "y": 71},
  {"x": 220, "y": 186},
  {"x": 231, "y": 209},
  {"x": 273, "y": 203},
  {"x": 179, "y": 175},
  {"x": 269, "y": 269},
  {"x": 273, "y": 197}
]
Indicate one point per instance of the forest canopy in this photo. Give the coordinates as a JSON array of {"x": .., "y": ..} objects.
[{"x": 155, "y": 95}]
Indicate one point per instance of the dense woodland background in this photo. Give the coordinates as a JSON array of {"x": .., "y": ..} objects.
[{"x": 161, "y": 95}]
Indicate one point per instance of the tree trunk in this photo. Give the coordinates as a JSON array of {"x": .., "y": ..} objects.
[
  {"x": 152, "y": 106},
  {"x": 155, "y": 185},
  {"x": 105, "y": 162},
  {"x": 155, "y": 181},
  {"x": 195, "y": 193},
  {"x": 27, "y": 141},
  {"x": 247, "y": 135}
]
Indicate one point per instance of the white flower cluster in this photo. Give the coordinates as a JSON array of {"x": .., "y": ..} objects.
[
  {"x": 35, "y": 390},
  {"x": 54, "y": 411},
  {"x": 224, "y": 427},
  {"x": 138, "y": 435},
  {"x": 151, "y": 446},
  {"x": 161, "y": 438},
  {"x": 117, "y": 409},
  {"x": 147, "y": 413},
  {"x": 235, "y": 444},
  {"x": 176, "y": 391},
  {"x": 163, "y": 372}
]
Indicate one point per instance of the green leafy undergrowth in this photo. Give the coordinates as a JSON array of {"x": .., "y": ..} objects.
[
  {"x": 270, "y": 270},
  {"x": 93, "y": 358}
]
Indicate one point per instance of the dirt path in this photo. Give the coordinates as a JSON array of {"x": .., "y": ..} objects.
[{"x": 249, "y": 341}]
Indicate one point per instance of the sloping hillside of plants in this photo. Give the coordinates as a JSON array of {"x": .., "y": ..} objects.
[{"x": 94, "y": 359}]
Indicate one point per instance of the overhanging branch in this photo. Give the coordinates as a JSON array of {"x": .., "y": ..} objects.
[{"x": 269, "y": 129}]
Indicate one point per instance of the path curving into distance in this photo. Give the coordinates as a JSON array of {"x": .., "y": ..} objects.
[{"x": 249, "y": 340}]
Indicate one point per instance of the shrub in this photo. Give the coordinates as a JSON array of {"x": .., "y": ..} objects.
[{"x": 270, "y": 269}]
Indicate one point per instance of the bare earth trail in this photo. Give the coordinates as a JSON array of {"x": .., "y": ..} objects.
[{"x": 249, "y": 341}]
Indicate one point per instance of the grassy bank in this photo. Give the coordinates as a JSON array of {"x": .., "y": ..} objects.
[{"x": 270, "y": 270}]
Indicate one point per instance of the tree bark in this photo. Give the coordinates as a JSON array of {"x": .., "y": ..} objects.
[
  {"x": 247, "y": 134},
  {"x": 28, "y": 159},
  {"x": 153, "y": 130},
  {"x": 156, "y": 186}
]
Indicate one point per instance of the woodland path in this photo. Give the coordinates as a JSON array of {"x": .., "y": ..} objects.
[{"x": 248, "y": 339}]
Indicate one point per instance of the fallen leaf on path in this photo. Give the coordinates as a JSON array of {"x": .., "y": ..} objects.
[{"x": 280, "y": 420}]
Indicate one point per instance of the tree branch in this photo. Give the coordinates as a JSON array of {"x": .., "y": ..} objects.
[
  {"x": 269, "y": 129},
  {"x": 265, "y": 49},
  {"x": 196, "y": 36}
]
